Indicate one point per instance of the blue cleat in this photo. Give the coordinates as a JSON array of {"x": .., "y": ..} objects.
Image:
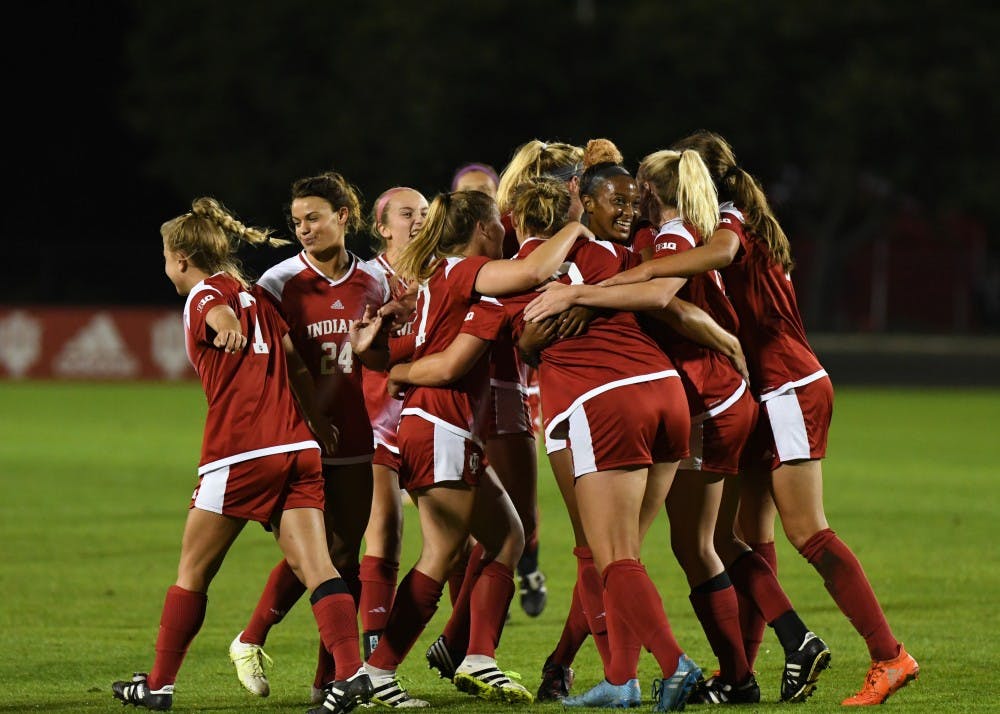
[
  {"x": 607, "y": 695},
  {"x": 671, "y": 694}
]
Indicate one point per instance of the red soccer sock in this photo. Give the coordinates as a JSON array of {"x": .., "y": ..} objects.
[
  {"x": 416, "y": 602},
  {"x": 592, "y": 598},
  {"x": 715, "y": 604},
  {"x": 456, "y": 630},
  {"x": 744, "y": 576},
  {"x": 574, "y": 632},
  {"x": 183, "y": 613},
  {"x": 378, "y": 585},
  {"x": 629, "y": 591},
  {"x": 326, "y": 668},
  {"x": 337, "y": 618},
  {"x": 282, "y": 591},
  {"x": 457, "y": 577},
  {"x": 624, "y": 649},
  {"x": 490, "y": 599},
  {"x": 847, "y": 583}
]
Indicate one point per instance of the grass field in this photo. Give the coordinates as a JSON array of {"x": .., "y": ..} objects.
[{"x": 95, "y": 481}]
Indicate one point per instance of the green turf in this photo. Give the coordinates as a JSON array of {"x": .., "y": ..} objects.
[{"x": 95, "y": 481}]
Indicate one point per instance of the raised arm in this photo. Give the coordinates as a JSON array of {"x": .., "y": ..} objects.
[
  {"x": 503, "y": 277},
  {"x": 718, "y": 252},
  {"x": 557, "y": 297}
]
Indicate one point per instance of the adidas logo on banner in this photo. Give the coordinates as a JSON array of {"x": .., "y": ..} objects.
[
  {"x": 20, "y": 343},
  {"x": 167, "y": 347},
  {"x": 337, "y": 305},
  {"x": 97, "y": 350}
]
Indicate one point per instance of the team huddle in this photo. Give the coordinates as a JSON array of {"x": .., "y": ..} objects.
[{"x": 545, "y": 298}]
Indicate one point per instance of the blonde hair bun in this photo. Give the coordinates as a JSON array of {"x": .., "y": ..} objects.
[{"x": 599, "y": 151}]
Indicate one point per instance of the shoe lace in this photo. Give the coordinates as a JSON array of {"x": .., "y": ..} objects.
[
  {"x": 256, "y": 658},
  {"x": 876, "y": 672}
]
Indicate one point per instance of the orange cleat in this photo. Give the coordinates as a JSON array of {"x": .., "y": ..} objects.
[{"x": 884, "y": 678}]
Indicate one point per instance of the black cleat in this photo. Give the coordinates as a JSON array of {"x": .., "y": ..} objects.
[
  {"x": 714, "y": 691},
  {"x": 534, "y": 595},
  {"x": 345, "y": 694},
  {"x": 803, "y": 667},
  {"x": 557, "y": 680},
  {"x": 442, "y": 659},
  {"x": 137, "y": 693}
]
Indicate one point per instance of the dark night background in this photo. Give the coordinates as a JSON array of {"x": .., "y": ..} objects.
[{"x": 871, "y": 123}]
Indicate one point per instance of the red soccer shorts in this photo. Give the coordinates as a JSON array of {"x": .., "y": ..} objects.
[
  {"x": 433, "y": 454},
  {"x": 259, "y": 489},
  {"x": 630, "y": 426}
]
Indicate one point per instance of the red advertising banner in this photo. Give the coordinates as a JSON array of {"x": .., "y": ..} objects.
[{"x": 92, "y": 343}]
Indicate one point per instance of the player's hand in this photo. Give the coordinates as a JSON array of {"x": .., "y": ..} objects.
[
  {"x": 230, "y": 341},
  {"x": 364, "y": 331},
  {"x": 555, "y": 298},
  {"x": 395, "y": 314},
  {"x": 574, "y": 321},
  {"x": 329, "y": 437},
  {"x": 739, "y": 361},
  {"x": 397, "y": 390}
]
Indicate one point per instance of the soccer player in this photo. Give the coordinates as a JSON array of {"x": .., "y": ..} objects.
[
  {"x": 320, "y": 292},
  {"x": 753, "y": 254},
  {"x": 397, "y": 216},
  {"x": 476, "y": 177},
  {"x": 259, "y": 461},
  {"x": 454, "y": 259}
]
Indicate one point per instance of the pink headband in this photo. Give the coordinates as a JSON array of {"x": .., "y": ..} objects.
[
  {"x": 468, "y": 168},
  {"x": 381, "y": 201}
]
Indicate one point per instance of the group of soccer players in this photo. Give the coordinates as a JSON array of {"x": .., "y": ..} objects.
[{"x": 413, "y": 374}]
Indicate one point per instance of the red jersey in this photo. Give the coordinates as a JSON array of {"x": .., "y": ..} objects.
[
  {"x": 645, "y": 237},
  {"x": 383, "y": 410},
  {"x": 778, "y": 355},
  {"x": 443, "y": 303},
  {"x": 613, "y": 351},
  {"x": 251, "y": 409},
  {"x": 710, "y": 380},
  {"x": 320, "y": 312}
]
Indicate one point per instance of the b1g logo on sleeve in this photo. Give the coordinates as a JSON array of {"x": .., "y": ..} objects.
[
  {"x": 200, "y": 307},
  {"x": 469, "y": 315}
]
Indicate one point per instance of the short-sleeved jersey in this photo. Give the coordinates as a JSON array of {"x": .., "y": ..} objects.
[
  {"x": 251, "y": 409},
  {"x": 771, "y": 331},
  {"x": 320, "y": 312},
  {"x": 643, "y": 237},
  {"x": 613, "y": 351},
  {"x": 443, "y": 303},
  {"x": 383, "y": 410},
  {"x": 709, "y": 377}
]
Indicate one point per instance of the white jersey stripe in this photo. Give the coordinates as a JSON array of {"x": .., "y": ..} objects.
[{"x": 256, "y": 454}]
